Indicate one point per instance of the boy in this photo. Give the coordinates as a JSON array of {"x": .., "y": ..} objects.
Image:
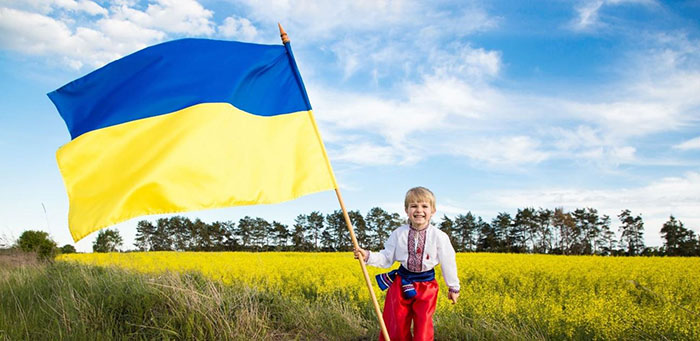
[{"x": 419, "y": 247}]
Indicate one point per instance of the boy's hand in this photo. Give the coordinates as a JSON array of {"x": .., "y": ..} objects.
[
  {"x": 361, "y": 253},
  {"x": 453, "y": 296}
]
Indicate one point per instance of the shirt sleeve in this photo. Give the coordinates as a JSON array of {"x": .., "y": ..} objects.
[
  {"x": 385, "y": 258},
  {"x": 448, "y": 262}
]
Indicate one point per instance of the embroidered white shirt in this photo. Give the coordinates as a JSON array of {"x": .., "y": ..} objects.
[{"x": 437, "y": 250}]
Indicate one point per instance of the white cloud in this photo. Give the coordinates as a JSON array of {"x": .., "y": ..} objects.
[
  {"x": 366, "y": 154},
  {"x": 238, "y": 28},
  {"x": 454, "y": 101},
  {"x": 425, "y": 109},
  {"x": 588, "y": 18},
  {"x": 504, "y": 150},
  {"x": 380, "y": 38},
  {"x": 656, "y": 94},
  {"x": 467, "y": 63},
  {"x": 327, "y": 19},
  {"x": 173, "y": 16},
  {"x": 88, "y": 7},
  {"x": 692, "y": 144},
  {"x": 39, "y": 6},
  {"x": 449, "y": 210},
  {"x": 60, "y": 28},
  {"x": 46, "y": 34},
  {"x": 587, "y": 15},
  {"x": 388, "y": 58},
  {"x": 636, "y": 116},
  {"x": 127, "y": 33},
  {"x": 351, "y": 54},
  {"x": 434, "y": 118},
  {"x": 49, "y": 36},
  {"x": 47, "y": 6}
]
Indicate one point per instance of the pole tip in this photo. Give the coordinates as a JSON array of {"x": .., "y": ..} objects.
[{"x": 283, "y": 34}]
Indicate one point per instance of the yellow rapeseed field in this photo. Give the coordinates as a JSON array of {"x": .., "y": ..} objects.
[{"x": 563, "y": 297}]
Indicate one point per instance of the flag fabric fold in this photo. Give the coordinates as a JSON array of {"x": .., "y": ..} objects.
[{"x": 187, "y": 125}]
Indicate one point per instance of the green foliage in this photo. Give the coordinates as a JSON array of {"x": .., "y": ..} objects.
[
  {"x": 38, "y": 242},
  {"x": 465, "y": 229},
  {"x": 359, "y": 226},
  {"x": 381, "y": 223},
  {"x": 631, "y": 232},
  {"x": 679, "y": 241},
  {"x": 107, "y": 241},
  {"x": 582, "y": 231},
  {"x": 65, "y": 249}
]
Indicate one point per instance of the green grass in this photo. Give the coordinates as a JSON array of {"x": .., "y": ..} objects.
[{"x": 69, "y": 301}]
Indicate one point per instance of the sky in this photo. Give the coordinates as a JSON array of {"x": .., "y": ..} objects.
[{"x": 493, "y": 105}]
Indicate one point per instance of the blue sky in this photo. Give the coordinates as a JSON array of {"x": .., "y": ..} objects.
[{"x": 494, "y": 105}]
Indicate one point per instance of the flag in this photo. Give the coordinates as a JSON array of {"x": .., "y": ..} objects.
[{"x": 187, "y": 125}]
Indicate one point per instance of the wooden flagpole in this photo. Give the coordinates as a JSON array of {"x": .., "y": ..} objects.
[
  {"x": 377, "y": 310},
  {"x": 364, "y": 268}
]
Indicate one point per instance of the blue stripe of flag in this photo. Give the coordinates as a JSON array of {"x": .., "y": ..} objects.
[{"x": 175, "y": 75}]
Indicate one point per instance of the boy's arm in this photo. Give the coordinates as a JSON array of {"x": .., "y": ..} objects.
[
  {"x": 384, "y": 258},
  {"x": 448, "y": 263}
]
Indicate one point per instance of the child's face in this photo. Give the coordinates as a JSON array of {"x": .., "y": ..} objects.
[{"x": 419, "y": 214}]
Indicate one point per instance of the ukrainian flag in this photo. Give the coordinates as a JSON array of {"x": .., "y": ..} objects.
[{"x": 187, "y": 125}]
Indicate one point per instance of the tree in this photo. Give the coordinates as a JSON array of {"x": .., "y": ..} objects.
[
  {"x": 229, "y": 231},
  {"x": 38, "y": 242},
  {"x": 281, "y": 234},
  {"x": 487, "y": 240},
  {"x": 588, "y": 228},
  {"x": 465, "y": 227},
  {"x": 504, "y": 236},
  {"x": 107, "y": 241},
  {"x": 607, "y": 239},
  {"x": 184, "y": 234},
  {"x": 447, "y": 226},
  {"x": 564, "y": 224},
  {"x": 673, "y": 232},
  {"x": 260, "y": 229},
  {"x": 525, "y": 228},
  {"x": 216, "y": 233},
  {"x": 162, "y": 238},
  {"x": 314, "y": 227},
  {"x": 679, "y": 240},
  {"x": 298, "y": 239},
  {"x": 144, "y": 235},
  {"x": 544, "y": 230},
  {"x": 327, "y": 240},
  {"x": 335, "y": 236},
  {"x": 68, "y": 249},
  {"x": 631, "y": 232},
  {"x": 360, "y": 227},
  {"x": 380, "y": 224},
  {"x": 246, "y": 225}
]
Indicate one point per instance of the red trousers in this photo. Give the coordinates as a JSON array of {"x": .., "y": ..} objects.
[{"x": 399, "y": 312}]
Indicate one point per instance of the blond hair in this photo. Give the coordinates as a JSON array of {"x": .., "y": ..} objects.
[{"x": 419, "y": 194}]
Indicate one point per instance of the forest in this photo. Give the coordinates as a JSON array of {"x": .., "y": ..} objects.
[{"x": 582, "y": 231}]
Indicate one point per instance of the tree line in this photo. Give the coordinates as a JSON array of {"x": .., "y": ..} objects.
[{"x": 582, "y": 231}]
